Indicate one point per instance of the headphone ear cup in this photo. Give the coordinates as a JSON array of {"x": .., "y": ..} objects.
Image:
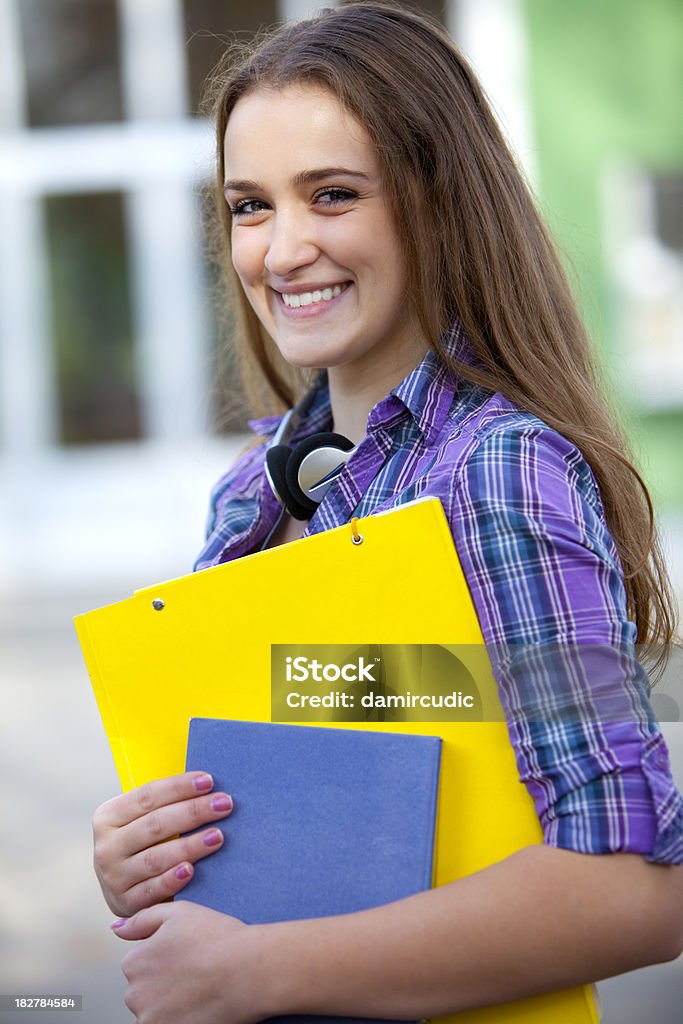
[
  {"x": 297, "y": 456},
  {"x": 277, "y": 459},
  {"x": 294, "y": 492}
]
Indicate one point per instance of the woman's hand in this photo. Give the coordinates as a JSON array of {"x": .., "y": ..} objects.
[
  {"x": 135, "y": 864},
  {"x": 195, "y": 966},
  {"x": 541, "y": 920}
]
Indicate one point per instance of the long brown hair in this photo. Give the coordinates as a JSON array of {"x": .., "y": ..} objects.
[{"x": 475, "y": 245}]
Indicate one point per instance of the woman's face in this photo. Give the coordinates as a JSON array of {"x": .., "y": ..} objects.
[{"x": 313, "y": 239}]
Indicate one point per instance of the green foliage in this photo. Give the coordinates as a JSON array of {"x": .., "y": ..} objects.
[{"x": 606, "y": 81}]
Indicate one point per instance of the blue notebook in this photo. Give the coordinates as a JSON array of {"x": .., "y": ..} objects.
[{"x": 325, "y": 821}]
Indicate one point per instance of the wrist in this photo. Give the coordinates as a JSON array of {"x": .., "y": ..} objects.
[{"x": 273, "y": 980}]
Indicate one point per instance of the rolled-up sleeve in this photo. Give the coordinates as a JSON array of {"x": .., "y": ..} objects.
[{"x": 545, "y": 578}]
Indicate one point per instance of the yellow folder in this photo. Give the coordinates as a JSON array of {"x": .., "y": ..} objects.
[{"x": 200, "y": 646}]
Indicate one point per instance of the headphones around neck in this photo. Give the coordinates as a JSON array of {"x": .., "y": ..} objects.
[{"x": 301, "y": 476}]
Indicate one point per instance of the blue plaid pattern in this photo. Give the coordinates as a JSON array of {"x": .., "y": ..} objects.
[{"x": 542, "y": 568}]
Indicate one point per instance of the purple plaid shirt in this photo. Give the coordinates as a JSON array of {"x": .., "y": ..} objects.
[{"x": 543, "y": 571}]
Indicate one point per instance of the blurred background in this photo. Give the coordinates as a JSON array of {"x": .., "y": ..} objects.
[{"x": 119, "y": 404}]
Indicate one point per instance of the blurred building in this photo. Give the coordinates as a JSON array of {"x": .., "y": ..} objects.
[
  {"x": 118, "y": 404},
  {"x": 118, "y": 398}
]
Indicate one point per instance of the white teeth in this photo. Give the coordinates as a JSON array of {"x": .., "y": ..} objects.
[{"x": 307, "y": 298}]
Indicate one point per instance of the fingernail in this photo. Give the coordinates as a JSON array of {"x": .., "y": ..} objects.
[
  {"x": 203, "y": 782},
  {"x": 183, "y": 872},
  {"x": 213, "y": 838},
  {"x": 222, "y": 803},
  {"x": 120, "y": 923}
]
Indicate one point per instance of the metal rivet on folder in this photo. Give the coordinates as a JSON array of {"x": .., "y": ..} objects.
[{"x": 158, "y": 605}]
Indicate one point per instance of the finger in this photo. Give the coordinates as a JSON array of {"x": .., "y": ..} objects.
[
  {"x": 165, "y": 823},
  {"x": 122, "y": 810},
  {"x": 144, "y": 923},
  {"x": 154, "y": 891},
  {"x": 156, "y": 861}
]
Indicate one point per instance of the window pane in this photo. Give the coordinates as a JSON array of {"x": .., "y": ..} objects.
[
  {"x": 209, "y": 26},
  {"x": 71, "y": 50},
  {"x": 92, "y": 318}
]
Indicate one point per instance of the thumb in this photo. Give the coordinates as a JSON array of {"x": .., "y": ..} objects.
[{"x": 144, "y": 923}]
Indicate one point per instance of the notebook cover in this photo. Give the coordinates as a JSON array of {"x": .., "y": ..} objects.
[{"x": 319, "y": 825}]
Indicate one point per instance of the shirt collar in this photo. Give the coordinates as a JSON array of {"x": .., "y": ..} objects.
[
  {"x": 428, "y": 390},
  {"x": 427, "y": 393}
]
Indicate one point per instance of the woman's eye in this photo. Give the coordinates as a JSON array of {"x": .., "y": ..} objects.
[
  {"x": 328, "y": 197},
  {"x": 334, "y": 196},
  {"x": 245, "y": 207}
]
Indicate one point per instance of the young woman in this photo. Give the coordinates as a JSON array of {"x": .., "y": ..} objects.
[{"x": 376, "y": 226}]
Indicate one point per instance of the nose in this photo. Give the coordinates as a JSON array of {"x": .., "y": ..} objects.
[{"x": 291, "y": 244}]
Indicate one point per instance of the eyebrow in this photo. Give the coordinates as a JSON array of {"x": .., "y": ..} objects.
[{"x": 302, "y": 178}]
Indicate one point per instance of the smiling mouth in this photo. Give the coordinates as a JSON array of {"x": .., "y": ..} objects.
[{"x": 293, "y": 300}]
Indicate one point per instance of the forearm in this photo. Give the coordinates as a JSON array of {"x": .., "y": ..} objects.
[{"x": 541, "y": 920}]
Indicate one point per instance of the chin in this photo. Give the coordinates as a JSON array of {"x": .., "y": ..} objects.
[
  {"x": 306, "y": 359},
  {"x": 302, "y": 361}
]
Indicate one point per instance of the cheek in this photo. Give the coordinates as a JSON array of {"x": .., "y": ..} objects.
[
  {"x": 247, "y": 258},
  {"x": 374, "y": 248}
]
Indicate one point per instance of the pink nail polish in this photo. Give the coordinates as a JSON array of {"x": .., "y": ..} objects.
[
  {"x": 221, "y": 803},
  {"x": 182, "y": 872},
  {"x": 120, "y": 923},
  {"x": 203, "y": 782},
  {"x": 213, "y": 838}
]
